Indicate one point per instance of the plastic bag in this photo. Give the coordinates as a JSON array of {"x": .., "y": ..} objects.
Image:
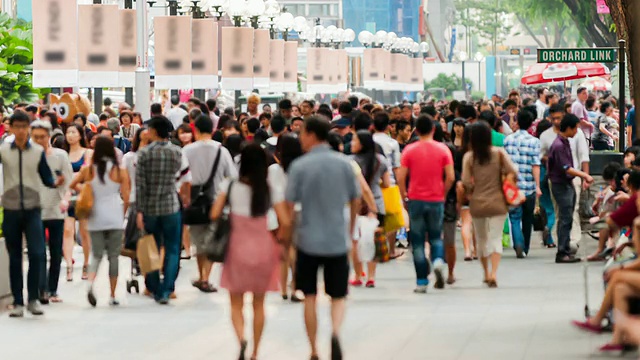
[{"x": 366, "y": 238}]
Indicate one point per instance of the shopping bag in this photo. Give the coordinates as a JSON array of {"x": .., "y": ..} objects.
[
  {"x": 539, "y": 219},
  {"x": 366, "y": 231},
  {"x": 148, "y": 254},
  {"x": 382, "y": 247},
  {"x": 393, "y": 222},
  {"x": 392, "y": 200}
]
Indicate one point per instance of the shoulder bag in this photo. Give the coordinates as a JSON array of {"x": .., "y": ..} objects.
[
  {"x": 197, "y": 213},
  {"x": 217, "y": 237},
  {"x": 84, "y": 204},
  {"x": 512, "y": 194}
]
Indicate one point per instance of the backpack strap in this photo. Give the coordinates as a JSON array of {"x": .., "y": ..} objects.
[{"x": 209, "y": 184}]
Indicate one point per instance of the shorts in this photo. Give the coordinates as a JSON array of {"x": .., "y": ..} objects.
[
  {"x": 336, "y": 274},
  {"x": 381, "y": 218},
  {"x": 198, "y": 234},
  {"x": 449, "y": 233}
]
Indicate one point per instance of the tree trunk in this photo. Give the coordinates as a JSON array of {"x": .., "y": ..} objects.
[
  {"x": 592, "y": 28},
  {"x": 528, "y": 29}
]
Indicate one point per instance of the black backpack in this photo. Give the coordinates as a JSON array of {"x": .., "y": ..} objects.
[{"x": 197, "y": 213}]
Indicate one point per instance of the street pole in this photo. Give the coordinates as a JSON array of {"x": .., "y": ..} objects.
[
  {"x": 464, "y": 82},
  {"x": 173, "y": 11},
  {"x": 128, "y": 92},
  {"x": 621, "y": 71},
  {"x": 143, "y": 76},
  {"x": 479, "y": 75},
  {"x": 97, "y": 92},
  {"x": 197, "y": 14}
]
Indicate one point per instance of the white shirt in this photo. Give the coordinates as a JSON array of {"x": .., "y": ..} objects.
[
  {"x": 578, "y": 144},
  {"x": 175, "y": 115},
  {"x": 129, "y": 161},
  {"x": 540, "y": 108},
  {"x": 391, "y": 151}
]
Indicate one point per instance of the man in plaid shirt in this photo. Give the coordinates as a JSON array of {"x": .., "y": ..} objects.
[
  {"x": 524, "y": 151},
  {"x": 158, "y": 204}
]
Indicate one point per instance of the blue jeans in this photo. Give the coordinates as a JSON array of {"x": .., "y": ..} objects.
[
  {"x": 15, "y": 224},
  {"x": 565, "y": 196},
  {"x": 546, "y": 204},
  {"x": 166, "y": 230},
  {"x": 521, "y": 219},
  {"x": 49, "y": 282},
  {"x": 426, "y": 221}
]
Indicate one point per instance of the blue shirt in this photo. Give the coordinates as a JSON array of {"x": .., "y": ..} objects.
[
  {"x": 524, "y": 151},
  {"x": 631, "y": 121},
  {"x": 560, "y": 160}
]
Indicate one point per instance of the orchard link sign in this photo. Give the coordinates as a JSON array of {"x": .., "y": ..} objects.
[{"x": 582, "y": 55}]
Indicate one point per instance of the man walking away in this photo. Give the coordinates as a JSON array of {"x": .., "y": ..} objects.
[
  {"x": 431, "y": 167},
  {"x": 322, "y": 181},
  {"x": 203, "y": 155}
]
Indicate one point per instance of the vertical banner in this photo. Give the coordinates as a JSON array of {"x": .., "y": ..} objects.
[
  {"x": 261, "y": 59},
  {"x": 98, "y": 40},
  {"x": 417, "y": 78},
  {"x": 276, "y": 66},
  {"x": 405, "y": 75},
  {"x": 395, "y": 66},
  {"x": 237, "y": 58},
  {"x": 317, "y": 71},
  {"x": 128, "y": 48},
  {"x": 290, "y": 66},
  {"x": 172, "y": 52},
  {"x": 342, "y": 70},
  {"x": 330, "y": 67},
  {"x": 204, "y": 54},
  {"x": 55, "y": 43},
  {"x": 373, "y": 67}
]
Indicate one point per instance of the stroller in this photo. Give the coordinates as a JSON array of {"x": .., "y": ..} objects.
[{"x": 131, "y": 236}]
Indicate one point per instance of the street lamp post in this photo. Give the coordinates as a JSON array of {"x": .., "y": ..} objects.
[
  {"x": 462, "y": 56},
  {"x": 173, "y": 11},
  {"x": 479, "y": 58},
  {"x": 97, "y": 92},
  {"x": 143, "y": 76}
]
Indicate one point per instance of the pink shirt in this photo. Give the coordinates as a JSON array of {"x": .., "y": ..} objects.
[{"x": 426, "y": 161}]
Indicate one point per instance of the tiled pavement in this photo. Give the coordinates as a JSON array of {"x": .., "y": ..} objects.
[{"x": 527, "y": 317}]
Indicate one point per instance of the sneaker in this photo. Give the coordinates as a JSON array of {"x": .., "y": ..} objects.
[
  {"x": 92, "y": 298},
  {"x": 34, "y": 308},
  {"x": 439, "y": 268},
  {"x": 420, "y": 289},
  {"x": 113, "y": 302},
  {"x": 336, "y": 350},
  {"x": 519, "y": 253},
  {"x": 568, "y": 259},
  {"x": 163, "y": 301},
  {"x": 17, "y": 311}
]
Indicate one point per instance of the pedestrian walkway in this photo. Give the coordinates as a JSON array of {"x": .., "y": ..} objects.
[{"x": 527, "y": 317}]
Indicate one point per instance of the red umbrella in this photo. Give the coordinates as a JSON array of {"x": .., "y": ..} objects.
[{"x": 545, "y": 73}]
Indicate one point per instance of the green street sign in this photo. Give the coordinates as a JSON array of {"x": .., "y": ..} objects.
[{"x": 582, "y": 55}]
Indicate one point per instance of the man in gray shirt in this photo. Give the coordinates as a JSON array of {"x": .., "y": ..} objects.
[
  {"x": 322, "y": 181},
  {"x": 202, "y": 156}
]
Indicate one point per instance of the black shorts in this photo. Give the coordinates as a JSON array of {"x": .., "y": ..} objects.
[
  {"x": 381, "y": 220},
  {"x": 336, "y": 274}
]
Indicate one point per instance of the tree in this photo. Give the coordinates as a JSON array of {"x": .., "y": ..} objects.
[
  {"x": 16, "y": 61},
  {"x": 548, "y": 22},
  {"x": 485, "y": 19},
  {"x": 449, "y": 83},
  {"x": 595, "y": 29}
]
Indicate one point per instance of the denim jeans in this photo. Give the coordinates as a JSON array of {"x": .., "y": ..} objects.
[
  {"x": 166, "y": 229},
  {"x": 426, "y": 221},
  {"x": 49, "y": 282},
  {"x": 565, "y": 196},
  {"x": 546, "y": 203},
  {"x": 521, "y": 219},
  {"x": 15, "y": 224}
]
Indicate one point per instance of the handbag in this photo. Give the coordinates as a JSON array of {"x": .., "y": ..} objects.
[
  {"x": 382, "y": 247},
  {"x": 539, "y": 219},
  {"x": 84, "y": 204},
  {"x": 512, "y": 194},
  {"x": 197, "y": 213},
  {"x": 148, "y": 254},
  {"x": 216, "y": 240}
]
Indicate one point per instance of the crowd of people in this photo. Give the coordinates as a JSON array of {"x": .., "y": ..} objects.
[{"x": 298, "y": 182}]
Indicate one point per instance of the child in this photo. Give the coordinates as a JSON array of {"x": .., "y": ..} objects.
[{"x": 604, "y": 204}]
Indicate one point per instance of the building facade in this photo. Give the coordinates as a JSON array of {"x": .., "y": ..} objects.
[
  {"x": 399, "y": 16},
  {"x": 329, "y": 11}
]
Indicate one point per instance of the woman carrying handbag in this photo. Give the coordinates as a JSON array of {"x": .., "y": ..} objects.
[{"x": 251, "y": 264}]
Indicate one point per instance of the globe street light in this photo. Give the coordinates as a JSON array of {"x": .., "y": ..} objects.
[
  {"x": 462, "y": 56},
  {"x": 365, "y": 38},
  {"x": 479, "y": 58}
]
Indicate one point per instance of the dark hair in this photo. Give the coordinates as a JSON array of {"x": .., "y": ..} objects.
[
  {"x": 278, "y": 123},
  {"x": 604, "y": 107},
  {"x": 591, "y": 100},
  {"x": 203, "y": 107},
  {"x": 532, "y": 110},
  {"x": 53, "y": 119},
  {"x": 31, "y": 108},
  {"x": 424, "y": 124},
  {"x": 264, "y": 116},
  {"x": 261, "y": 135},
  {"x": 156, "y": 109},
  {"x": 126, "y": 113},
  {"x": 367, "y": 107},
  {"x": 297, "y": 118},
  {"x": 253, "y": 172},
  {"x": 489, "y": 117},
  {"x": 466, "y": 139},
  {"x": 481, "y": 142},
  {"x": 508, "y": 103},
  {"x": 467, "y": 111},
  {"x": 233, "y": 124},
  {"x": 367, "y": 154},
  {"x": 525, "y": 119},
  {"x": 581, "y": 89},
  {"x": 57, "y": 141},
  {"x": 569, "y": 121},
  {"x": 194, "y": 100},
  {"x": 401, "y": 125},
  {"x": 195, "y": 113},
  {"x": 222, "y": 120},
  {"x": 346, "y": 107},
  {"x": 439, "y": 134},
  {"x": 204, "y": 124},
  {"x": 429, "y": 110},
  {"x": 82, "y": 117},
  {"x": 610, "y": 170},
  {"x": 362, "y": 121},
  {"x": 324, "y": 111},
  {"x": 453, "y": 105},
  {"x": 253, "y": 125},
  {"x": 353, "y": 101},
  {"x": 542, "y": 127},
  {"x": 287, "y": 150},
  {"x": 104, "y": 151},
  {"x": 317, "y": 126},
  {"x": 556, "y": 108},
  {"x": 83, "y": 136},
  {"x": 211, "y": 104},
  {"x": 233, "y": 143},
  {"x": 19, "y": 116},
  {"x": 100, "y": 129},
  {"x": 335, "y": 140},
  {"x": 634, "y": 180},
  {"x": 103, "y": 117},
  {"x": 540, "y": 91},
  {"x": 229, "y": 111},
  {"x": 161, "y": 125},
  {"x": 107, "y": 101},
  {"x": 285, "y": 104},
  {"x": 137, "y": 139},
  {"x": 381, "y": 121},
  {"x": 175, "y": 100},
  {"x": 635, "y": 150}
]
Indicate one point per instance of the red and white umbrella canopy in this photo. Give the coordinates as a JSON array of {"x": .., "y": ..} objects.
[
  {"x": 545, "y": 73},
  {"x": 596, "y": 84}
]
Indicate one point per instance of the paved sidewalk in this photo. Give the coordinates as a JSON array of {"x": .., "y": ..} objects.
[{"x": 527, "y": 317}]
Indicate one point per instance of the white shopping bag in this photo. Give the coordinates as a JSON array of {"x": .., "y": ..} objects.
[{"x": 366, "y": 229}]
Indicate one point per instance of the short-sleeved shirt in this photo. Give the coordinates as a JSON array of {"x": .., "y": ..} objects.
[
  {"x": 157, "y": 166},
  {"x": 626, "y": 213},
  {"x": 497, "y": 139},
  {"x": 391, "y": 150},
  {"x": 201, "y": 156},
  {"x": 524, "y": 151},
  {"x": 560, "y": 160},
  {"x": 240, "y": 197},
  {"x": 578, "y": 109},
  {"x": 578, "y": 143},
  {"x": 631, "y": 121},
  {"x": 426, "y": 161},
  {"x": 322, "y": 181},
  {"x": 375, "y": 180}
]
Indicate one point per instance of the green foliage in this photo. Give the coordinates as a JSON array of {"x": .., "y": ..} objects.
[
  {"x": 16, "y": 61},
  {"x": 485, "y": 19},
  {"x": 477, "y": 95},
  {"x": 449, "y": 83}
]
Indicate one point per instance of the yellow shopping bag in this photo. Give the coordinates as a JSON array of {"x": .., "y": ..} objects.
[{"x": 392, "y": 200}]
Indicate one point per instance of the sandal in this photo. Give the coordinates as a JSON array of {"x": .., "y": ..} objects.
[
  {"x": 370, "y": 284},
  {"x": 468, "y": 258},
  {"x": 451, "y": 280},
  {"x": 70, "y": 274},
  {"x": 356, "y": 283},
  {"x": 196, "y": 283},
  {"x": 596, "y": 257},
  {"x": 55, "y": 299},
  {"x": 492, "y": 284},
  {"x": 85, "y": 273},
  {"x": 551, "y": 246},
  {"x": 396, "y": 255},
  {"x": 206, "y": 287}
]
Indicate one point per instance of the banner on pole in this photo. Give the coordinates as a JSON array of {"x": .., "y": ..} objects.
[
  {"x": 290, "y": 66},
  {"x": 98, "y": 63},
  {"x": 128, "y": 56},
  {"x": 172, "y": 52},
  {"x": 204, "y": 54},
  {"x": 276, "y": 71},
  {"x": 417, "y": 77},
  {"x": 261, "y": 59},
  {"x": 55, "y": 43},
  {"x": 373, "y": 68},
  {"x": 342, "y": 70},
  {"x": 237, "y": 58}
]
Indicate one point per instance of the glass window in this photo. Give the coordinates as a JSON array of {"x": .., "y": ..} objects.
[
  {"x": 319, "y": 10},
  {"x": 296, "y": 9}
]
